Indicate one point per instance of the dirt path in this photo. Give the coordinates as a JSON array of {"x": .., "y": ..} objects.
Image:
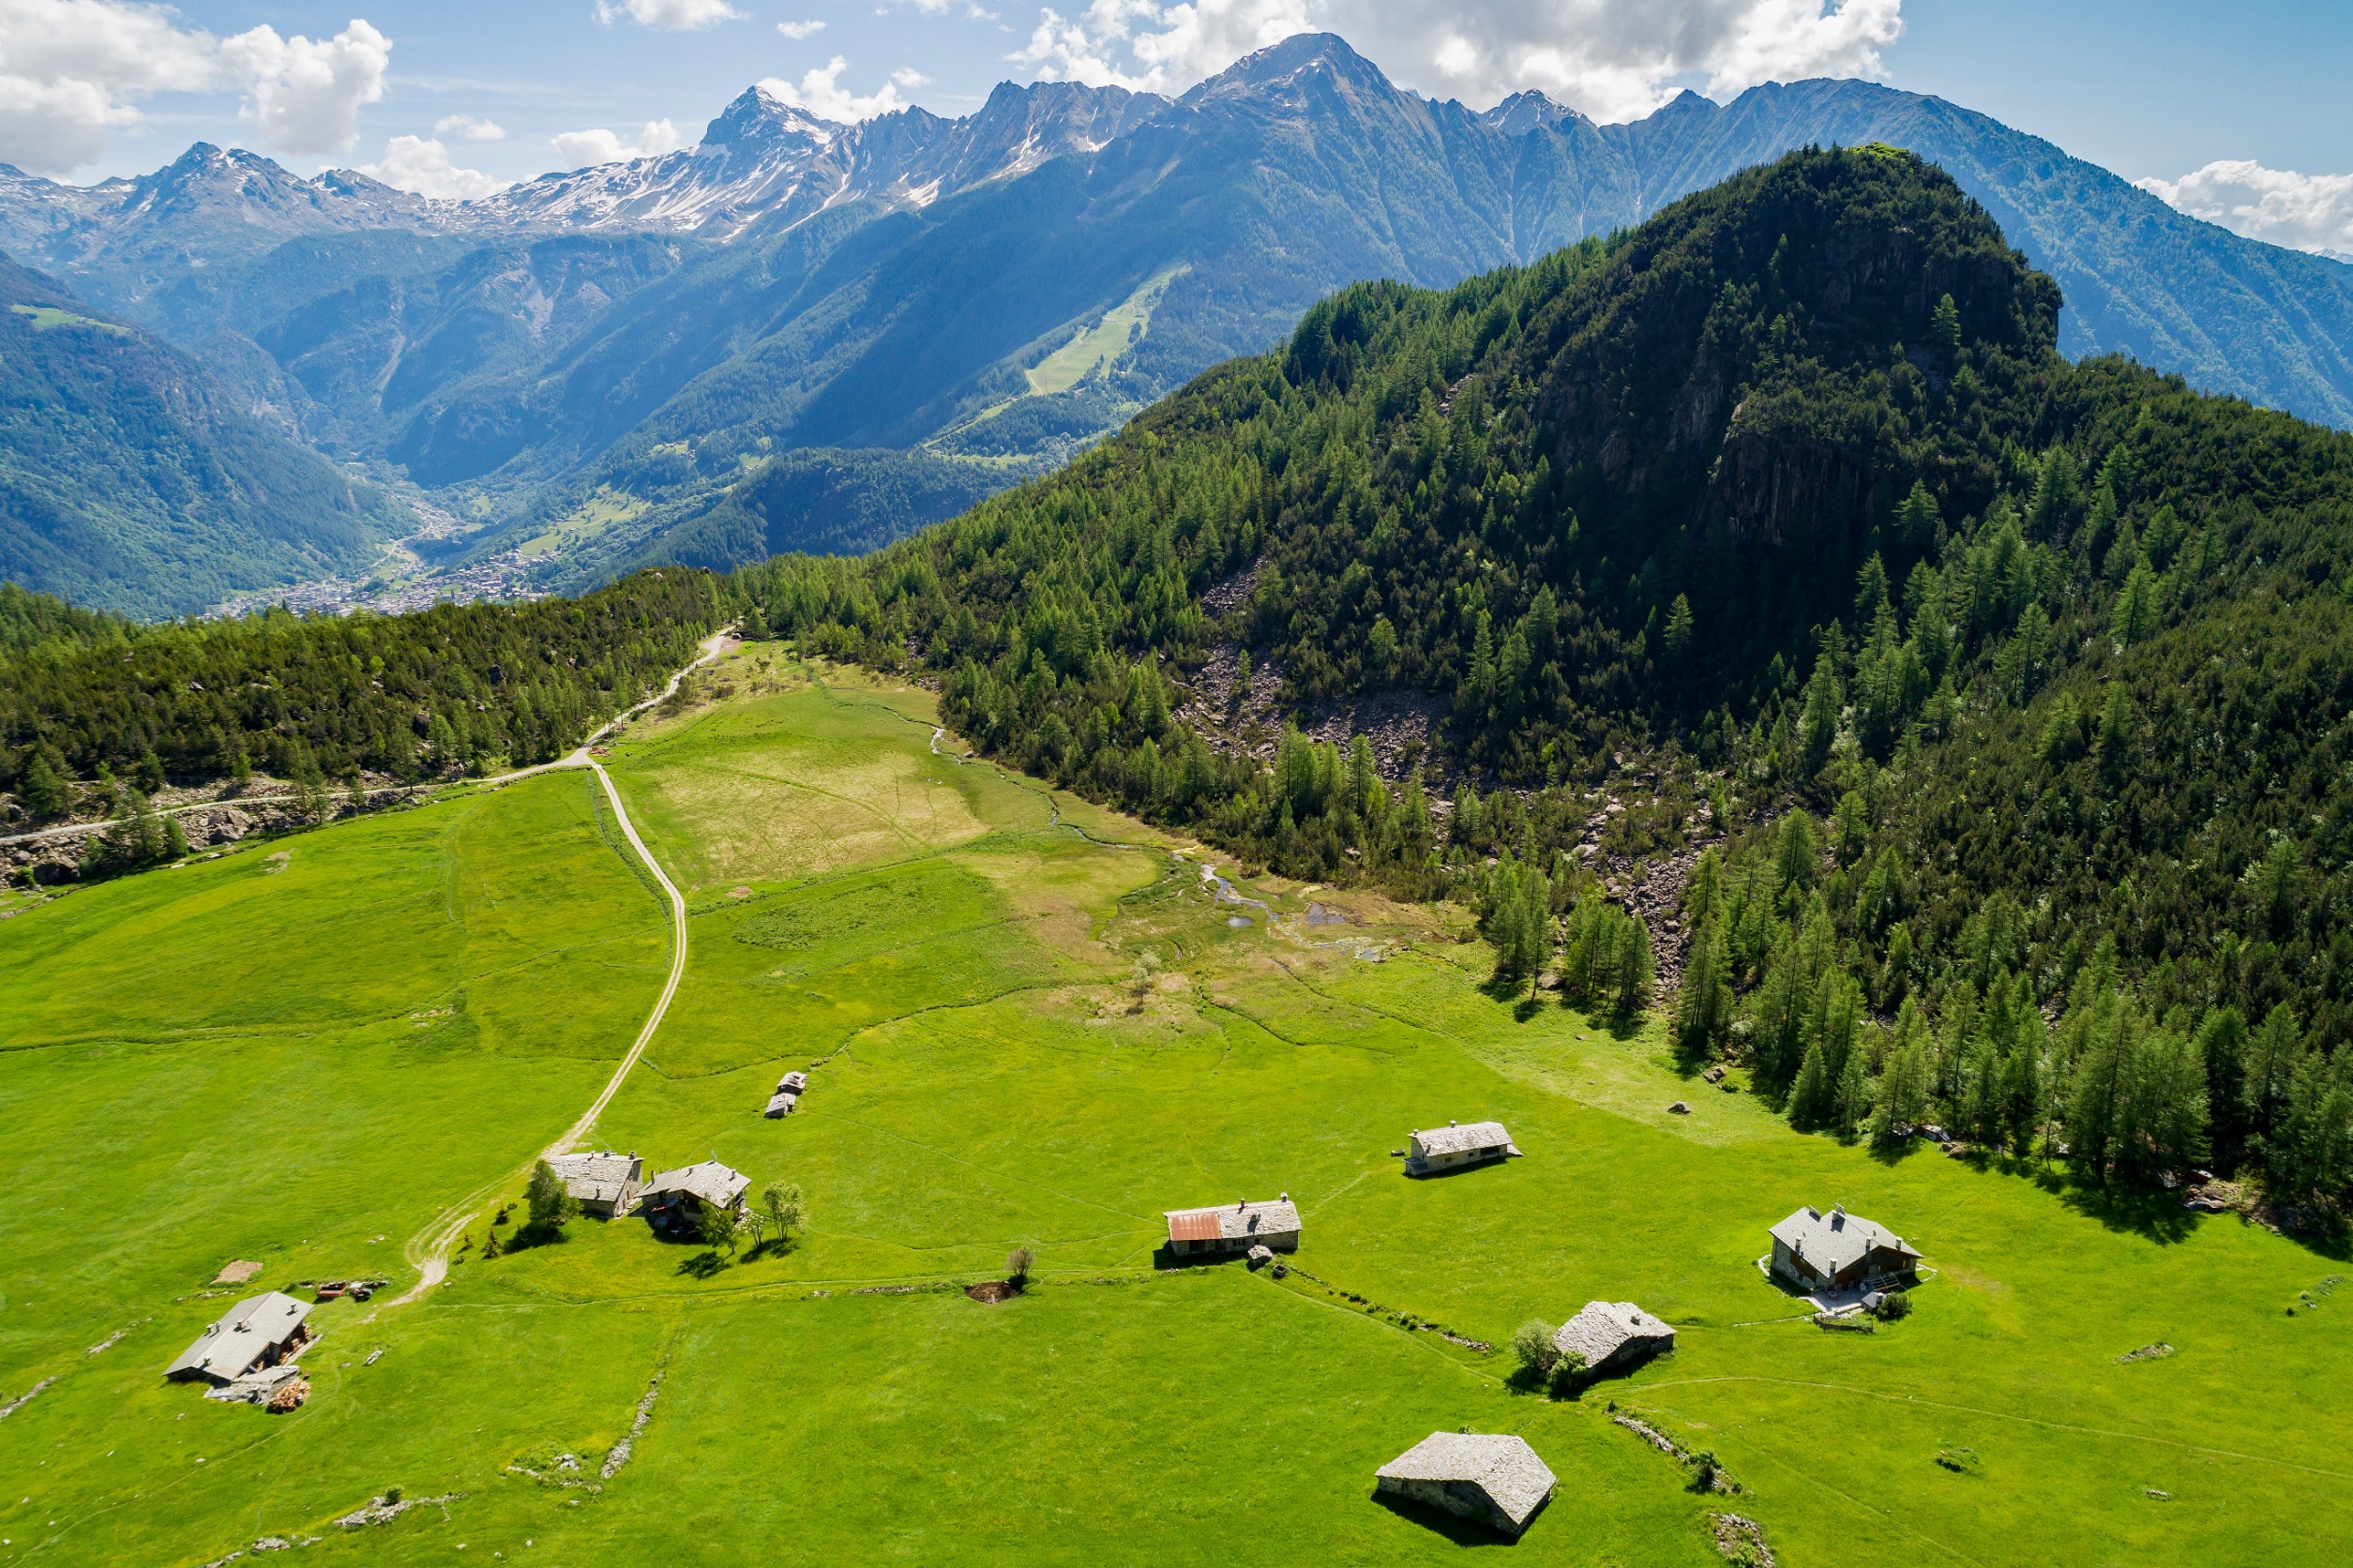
[{"x": 428, "y": 1250}]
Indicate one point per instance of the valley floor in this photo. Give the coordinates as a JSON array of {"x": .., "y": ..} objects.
[{"x": 1026, "y": 1022}]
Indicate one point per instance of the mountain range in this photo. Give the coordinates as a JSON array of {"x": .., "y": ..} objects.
[{"x": 600, "y": 368}]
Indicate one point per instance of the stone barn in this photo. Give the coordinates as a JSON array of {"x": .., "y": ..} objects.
[
  {"x": 1457, "y": 1144},
  {"x": 1492, "y": 1477},
  {"x": 1838, "y": 1252},
  {"x": 1613, "y": 1336},
  {"x": 259, "y": 1331},
  {"x": 605, "y": 1184},
  {"x": 1235, "y": 1227}
]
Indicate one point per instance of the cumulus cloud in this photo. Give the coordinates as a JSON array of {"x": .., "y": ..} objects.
[
  {"x": 2304, "y": 212},
  {"x": 422, "y": 164},
  {"x": 72, "y": 71},
  {"x": 796, "y": 30},
  {"x": 1615, "y": 59},
  {"x": 671, "y": 15},
  {"x": 306, "y": 93},
  {"x": 820, "y": 92},
  {"x": 580, "y": 149},
  {"x": 472, "y": 129}
]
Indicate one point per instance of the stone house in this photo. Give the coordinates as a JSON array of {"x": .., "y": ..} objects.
[
  {"x": 259, "y": 1331},
  {"x": 1492, "y": 1477},
  {"x": 605, "y": 1184},
  {"x": 1235, "y": 1227},
  {"x": 1457, "y": 1144},
  {"x": 1838, "y": 1251},
  {"x": 676, "y": 1198}
]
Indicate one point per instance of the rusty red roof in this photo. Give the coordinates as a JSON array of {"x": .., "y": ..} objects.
[{"x": 1201, "y": 1224}]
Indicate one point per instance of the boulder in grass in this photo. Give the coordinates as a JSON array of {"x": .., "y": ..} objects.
[
  {"x": 1679, "y": 1108},
  {"x": 1260, "y": 1254}
]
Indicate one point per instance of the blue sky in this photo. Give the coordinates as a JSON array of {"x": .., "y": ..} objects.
[{"x": 2154, "y": 89}]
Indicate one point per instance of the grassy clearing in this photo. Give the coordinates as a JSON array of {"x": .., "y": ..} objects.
[{"x": 1028, "y": 1025}]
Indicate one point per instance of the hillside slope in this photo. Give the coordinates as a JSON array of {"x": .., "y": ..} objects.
[
  {"x": 130, "y": 481},
  {"x": 1786, "y": 500}
]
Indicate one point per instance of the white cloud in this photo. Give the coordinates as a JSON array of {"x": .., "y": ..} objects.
[
  {"x": 1615, "y": 59},
  {"x": 2305, "y": 212},
  {"x": 578, "y": 149},
  {"x": 306, "y": 93},
  {"x": 472, "y": 129},
  {"x": 671, "y": 15},
  {"x": 821, "y": 94},
  {"x": 796, "y": 30},
  {"x": 422, "y": 164},
  {"x": 71, "y": 71}
]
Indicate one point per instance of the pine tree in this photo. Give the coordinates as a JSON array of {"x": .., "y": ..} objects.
[
  {"x": 1703, "y": 1008},
  {"x": 1944, "y": 329},
  {"x": 1811, "y": 1098},
  {"x": 1854, "y": 1094},
  {"x": 43, "y": 793},
  {"x": 2136, "y": 613}
]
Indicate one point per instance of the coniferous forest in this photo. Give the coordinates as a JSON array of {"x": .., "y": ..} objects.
[{"x": 2004, "y": 698}]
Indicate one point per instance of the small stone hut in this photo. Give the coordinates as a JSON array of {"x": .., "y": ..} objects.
[
  {"x": 1493, "y": 1477},
  {"x": 259, "y": 1331},
  {"x": 1235, "y": 1227},
  {"x": 1456, "y": 1144},
  {"x": 1613, "y": 1336},
  {"x": 605, "y": 1184},
  {"x": 1838, "y": 1251}
]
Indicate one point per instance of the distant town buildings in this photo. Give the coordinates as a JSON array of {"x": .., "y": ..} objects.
[
  {"x": 1457, "y": 1144},
  {"x": 1235, "y": 1227},
  {"x": 1493, "y": 1477}
]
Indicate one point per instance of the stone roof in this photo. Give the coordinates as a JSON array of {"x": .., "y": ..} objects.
[
  {"x": 240, "y": 1336},
  {"x": 1838, "y": 1240},
  {"x": 721, "y": 1186},
  {"x": 1463, "y": 1137},
  {"x": 1605, "y": 1331},
  {"x": 1499, "y": 1464},
  {"x": 1234, "y": 1222},
  {"x": 599, "y": 1178}
]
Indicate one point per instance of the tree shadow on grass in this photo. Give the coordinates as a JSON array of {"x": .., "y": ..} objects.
[
  {"x": 529, "y": 1236},
  {"x": 1440, "y": 1521},
  {"x": 703, "y": 1265}
]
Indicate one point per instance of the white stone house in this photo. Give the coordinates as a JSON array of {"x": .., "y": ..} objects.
[
  {"x": 1613, "y": 1336},
  {"x": 605, "y": 1184},
  {"x": 259, "y": 1331},
  {"x": 1838, "y": 1251},
  {"x": 1493, "y": 1477},
  {"x": 1456, "y": 1144},
  {"x": 1234, "y": 1227},
  {"x": 675, "y": 1198}
]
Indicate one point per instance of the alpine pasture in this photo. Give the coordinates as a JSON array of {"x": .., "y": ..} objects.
[{"x": 1027, "y": 1023}]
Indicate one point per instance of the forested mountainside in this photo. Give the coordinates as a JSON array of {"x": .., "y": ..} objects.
[
  {"x": 130, "y": 479},
  {"x": 940, "y": 308},
  {"x": 315, "y": 698},
  {"x": 2001, "y": 699},
  {"x": 2020, "y": 685}
]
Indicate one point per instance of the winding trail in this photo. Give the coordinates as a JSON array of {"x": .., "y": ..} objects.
[{"x": 428, "y": 1250}]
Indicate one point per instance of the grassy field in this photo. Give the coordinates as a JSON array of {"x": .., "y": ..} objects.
[{"x": 1026, "y": 1024}]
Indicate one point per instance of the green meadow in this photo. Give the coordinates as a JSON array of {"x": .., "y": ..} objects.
[{"x": 1026, "y": 1024}]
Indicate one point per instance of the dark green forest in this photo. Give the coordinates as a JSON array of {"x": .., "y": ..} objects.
[
  {"x": 1788, "y": 492},
  {"x": 314, "y": 698},
  {"x": 2014, "y": 689}
]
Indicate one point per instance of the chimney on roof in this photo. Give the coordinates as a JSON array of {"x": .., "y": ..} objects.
[
  {"x": 1286, "y": 1197},
  {"x": 1452, "y": 1122}
]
